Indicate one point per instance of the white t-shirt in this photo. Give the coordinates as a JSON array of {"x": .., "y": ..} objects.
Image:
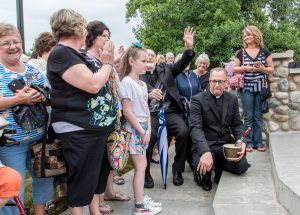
[{"x": 138, "y": 94}]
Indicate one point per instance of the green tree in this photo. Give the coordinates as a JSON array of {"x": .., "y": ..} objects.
[{"x": 219, "y": 24}]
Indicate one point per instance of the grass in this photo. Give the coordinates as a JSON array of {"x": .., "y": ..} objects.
[{"x": 60, "y": 206}]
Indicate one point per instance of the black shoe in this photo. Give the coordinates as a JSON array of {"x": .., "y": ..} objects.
[
  {"x": 206, "y": 184},
  {"x": 148, "y": 181},
  {"x": 177, "y": 178},
  {"x": 197, "y": 177},
  {"x": 217, "y": 177}
]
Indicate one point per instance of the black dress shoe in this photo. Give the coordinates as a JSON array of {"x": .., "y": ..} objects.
[
  {"x": 148, "y": 181},
  {"x": 177, "y": 178},
  {"x": 197, "y": 177},
  {"x": 206, "y": 184},
  {"x": 217, "y": 177}
]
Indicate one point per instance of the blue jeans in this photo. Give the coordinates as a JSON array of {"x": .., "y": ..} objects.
[
  {"x": 253, "y": 118},
  {"x": 18, "y": 158}
]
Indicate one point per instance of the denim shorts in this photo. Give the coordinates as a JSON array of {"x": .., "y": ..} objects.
[{"x": 18, "y": 158}]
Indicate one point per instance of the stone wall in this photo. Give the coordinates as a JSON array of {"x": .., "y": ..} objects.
[{"x": 284, "y": 112}]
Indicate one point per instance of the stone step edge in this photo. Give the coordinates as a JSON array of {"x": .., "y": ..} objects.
[{"x": 285, "y": 194}]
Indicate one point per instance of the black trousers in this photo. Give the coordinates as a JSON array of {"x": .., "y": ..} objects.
[
  {"x": 88, "y": 167},
  {"x": 220, "y": 163},
  {"x": 175, "y": 127}
]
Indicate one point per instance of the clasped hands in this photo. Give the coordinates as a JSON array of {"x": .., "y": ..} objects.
[
  {"x": 206, "y": 160},
  {"x": 28, "y": 96}
]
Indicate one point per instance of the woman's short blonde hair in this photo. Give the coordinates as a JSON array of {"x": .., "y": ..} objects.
[
  {"x": 160, "y": 57},
  {"x": 8, "y": 30},
  {"x": 203, "y": 57},
  {"x": 67, "y": 23},
  {"x": 258, "y": 37}
]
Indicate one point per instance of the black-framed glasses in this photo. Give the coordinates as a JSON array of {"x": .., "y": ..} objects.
[
  {"x": 217, "y": 81},
  {"x": 137, "y": 44}
]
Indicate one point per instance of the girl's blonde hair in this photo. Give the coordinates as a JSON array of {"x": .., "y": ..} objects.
[
  {"x": 131, "y": 52},
  {"x": 257, "y": 35}
]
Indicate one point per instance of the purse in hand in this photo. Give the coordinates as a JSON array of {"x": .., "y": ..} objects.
[
  {"x": 29, "y": 117},
  {"x": 119, "y": 138}
]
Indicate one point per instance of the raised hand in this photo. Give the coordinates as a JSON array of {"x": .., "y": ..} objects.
[
  {"x": 188, "y": 37},
  {"x": 107, "y": 53},
  {"x": 119, "y": 54}
]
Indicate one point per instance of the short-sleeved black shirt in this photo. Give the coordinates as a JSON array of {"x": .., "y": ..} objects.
[{"x": 70, "y": 104}]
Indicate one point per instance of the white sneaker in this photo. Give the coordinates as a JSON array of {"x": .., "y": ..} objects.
[
  {"x": 149, "y": 200},
  {"x": 146, "y": 209}
]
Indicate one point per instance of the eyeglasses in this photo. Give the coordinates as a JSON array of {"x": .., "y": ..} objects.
[
  {"x": 104, "y": 36},
  {"x": 137, "y": 45},
  {"x": 217, "y": 81},
  {"x": 8, "y": 44}
]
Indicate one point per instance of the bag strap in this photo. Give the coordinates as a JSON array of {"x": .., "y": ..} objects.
[
  {"x": 115, "y": 98},
  {"x": 266, "y": 81},
  {"x": 243, "y": 56}
]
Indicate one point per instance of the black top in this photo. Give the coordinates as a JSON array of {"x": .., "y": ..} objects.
[
  {"x": 70, "y": 104},
  {"x": 204, "y": 81}
]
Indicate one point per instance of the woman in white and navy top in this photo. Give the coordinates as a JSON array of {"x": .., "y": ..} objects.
[{"x": 255, "y": 62}]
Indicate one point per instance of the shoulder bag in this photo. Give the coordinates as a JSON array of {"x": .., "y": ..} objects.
[
  {"x": 119, "y": 138},
  {"x": 237, "y": 80}
]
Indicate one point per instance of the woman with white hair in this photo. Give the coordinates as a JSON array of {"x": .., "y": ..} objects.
[{"x": 202, "y": 63}]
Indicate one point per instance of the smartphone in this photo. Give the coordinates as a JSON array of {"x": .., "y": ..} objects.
[
  {"x": 257, "y": 63},
  {"x": 16, "y": 84}
]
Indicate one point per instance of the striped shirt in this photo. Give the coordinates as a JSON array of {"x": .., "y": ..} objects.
[
  {"x": 6, "y": 76},
  {"x": 253, "y": 81}
]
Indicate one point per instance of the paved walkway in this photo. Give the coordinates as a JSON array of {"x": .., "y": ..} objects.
[
  {"x": 187, "y": 199},
  {"x": 250, "y": 194}
]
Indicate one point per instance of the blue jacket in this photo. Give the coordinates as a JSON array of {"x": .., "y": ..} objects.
[{"x": 188, "y": 84}]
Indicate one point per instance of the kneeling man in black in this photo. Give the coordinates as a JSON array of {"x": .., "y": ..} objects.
[{"x": 214, "y": 114}]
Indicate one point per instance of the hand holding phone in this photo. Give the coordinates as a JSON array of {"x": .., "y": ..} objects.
[
  {"x": 16, "y": 84},
  {"x": 257, "y": 64}
]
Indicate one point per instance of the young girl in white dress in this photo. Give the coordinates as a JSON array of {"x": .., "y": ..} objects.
[{"x": 137, "y": 115}]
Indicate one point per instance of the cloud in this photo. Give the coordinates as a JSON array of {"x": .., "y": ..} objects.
[{"x": 37, "y": 14}]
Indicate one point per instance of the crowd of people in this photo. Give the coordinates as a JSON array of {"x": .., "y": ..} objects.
[{"x": 82, "y": 67}]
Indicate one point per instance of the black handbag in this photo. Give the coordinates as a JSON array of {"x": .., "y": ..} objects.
[
  {"x": 30, "y": 117},
  {"x": 265, "y": 107},
  {"x": 265, "y": 94},
  {"x": 265, "y": 91}
]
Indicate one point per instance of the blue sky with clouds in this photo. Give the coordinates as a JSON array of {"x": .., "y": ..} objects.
[{"x": 37, "y": 14}]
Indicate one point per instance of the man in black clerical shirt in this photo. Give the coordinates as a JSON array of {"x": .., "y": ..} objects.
[
  {"x": 163, "y": 93},
  {"x": 214, "y": 118}
]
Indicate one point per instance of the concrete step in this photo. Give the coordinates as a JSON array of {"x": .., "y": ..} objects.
[
  {"x": 176, "y": 200},
  {"x": 285, "y": 161},
  {"x": 250, "y": 194}
]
